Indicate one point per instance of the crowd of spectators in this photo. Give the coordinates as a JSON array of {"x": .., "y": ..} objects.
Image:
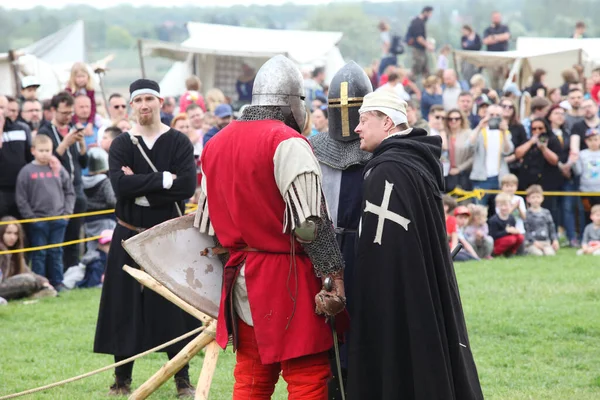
[{"x": 542, "y": 140}]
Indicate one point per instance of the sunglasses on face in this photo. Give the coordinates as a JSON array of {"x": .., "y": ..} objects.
[
  {"x": 454, "y": 119},
  {"x": 508, "y": 106},
  {"x": 120, "y": 106},
  {"x": 537, "y": 128},
  {"x": 438, "y": 117}
]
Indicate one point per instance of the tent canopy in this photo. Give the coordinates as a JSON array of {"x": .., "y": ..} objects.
[
  {"x": 49, "y": 59},
  {"x": 591, "y": 47},
  {"x": 216, "y": 52},
  {"x": 524, "y": 63}
]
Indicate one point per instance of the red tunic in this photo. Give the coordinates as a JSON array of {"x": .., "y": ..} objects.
[{"x": 247, "y": 209}]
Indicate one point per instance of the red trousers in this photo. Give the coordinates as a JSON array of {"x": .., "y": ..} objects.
[
  {"x": 508, "y": 244},
  {"x": 306, "y": 376}
]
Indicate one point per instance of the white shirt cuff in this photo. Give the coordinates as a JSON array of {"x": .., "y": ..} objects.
[
  {"x": 142, "y": 201},
  {"x": 167, "y": 180}
]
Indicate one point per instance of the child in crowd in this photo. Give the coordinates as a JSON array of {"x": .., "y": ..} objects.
[
  {"x": 80, "y": 82},
  {"x": 16, "y": 280},
  {"x": 509, "y": 184},
  {"x": 442, "y": 60},
  {"x": 502, "y": 226},
  {"x": 95, "y": 262},
  {"x": 192, "y": 94},
  {"x": 595, "y": 88},
  {"x": 108, "y": 136},
  {"x": 449, "y": 204},
  {"x": 477, "y": 232},
  {"x": 462, "y": 215},
  {"x": 540, "y": 237},
  {"x": 588, "y": 166},
  {"x": 100, "y": 195},
  {"x": 591, "y": 235},
  {"x": 42, "y": 192}
]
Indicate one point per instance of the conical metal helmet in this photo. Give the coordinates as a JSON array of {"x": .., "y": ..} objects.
[
  {"x": 279, "y": 83},
  {"x": 348, "y": 87}
]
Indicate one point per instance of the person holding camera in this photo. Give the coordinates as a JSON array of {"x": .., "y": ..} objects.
[
  {"x": 491, "y": 142},
  {"x": 540, "y": 157},
  {"x": 69, "y": 147}
]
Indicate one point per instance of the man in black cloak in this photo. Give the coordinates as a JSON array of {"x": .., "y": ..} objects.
[
  {"x": 409, "y": 339},
  {"x": 133, "y": 319}
]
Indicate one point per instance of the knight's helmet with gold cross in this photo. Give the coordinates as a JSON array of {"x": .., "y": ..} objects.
[{"x": 346, "y": 91}]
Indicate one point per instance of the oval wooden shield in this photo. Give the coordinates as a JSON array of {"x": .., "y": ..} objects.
[{"x": 170, "y": 253}]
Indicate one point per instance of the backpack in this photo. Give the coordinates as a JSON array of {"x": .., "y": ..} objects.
[{"x": 396, "y": 46}]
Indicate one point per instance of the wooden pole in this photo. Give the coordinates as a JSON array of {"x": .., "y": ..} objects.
[
  {"x": 208, "y": 370},
  {"x": 141, "y": 55},
  {"x": 152, "y": 284},
  {"x": 176, "y": 363}
]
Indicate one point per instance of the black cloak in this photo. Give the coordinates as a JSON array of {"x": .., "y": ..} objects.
[{"x": 409, "y": 339}]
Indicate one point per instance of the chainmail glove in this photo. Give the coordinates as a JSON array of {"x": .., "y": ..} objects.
[{"x": 331, "y": 301}]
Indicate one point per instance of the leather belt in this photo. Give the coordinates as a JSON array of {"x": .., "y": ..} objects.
[
  {"x": 129, "y": 226},
  {"x": 222, "y": 250}
]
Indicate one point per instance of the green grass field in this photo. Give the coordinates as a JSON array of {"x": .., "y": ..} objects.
[{"x": 534, "y": 325}]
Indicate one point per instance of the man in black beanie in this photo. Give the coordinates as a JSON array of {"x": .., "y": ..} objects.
[{"x": 132, "y": 320}]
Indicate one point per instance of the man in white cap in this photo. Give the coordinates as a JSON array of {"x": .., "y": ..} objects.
[
  {"x": 409, "y": 338},
  {"x": 132, "y": 320},
  {"x": 29, "y": 87}
]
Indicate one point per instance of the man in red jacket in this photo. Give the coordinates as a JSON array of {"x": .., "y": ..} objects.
[{"x": 262, "y": 198}]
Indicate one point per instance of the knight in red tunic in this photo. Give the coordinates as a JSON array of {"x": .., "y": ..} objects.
[{"x": 262, "y": 198}]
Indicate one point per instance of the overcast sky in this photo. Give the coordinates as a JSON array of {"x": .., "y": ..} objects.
[{"x": 25, "y": 4}]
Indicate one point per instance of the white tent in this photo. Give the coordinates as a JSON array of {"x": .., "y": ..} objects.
[
  {"x": 49, "y": 59},
  {"x": 215, "y": 53},
  {"x": 524, "y": 63},
  {"x": 590, "y": 46}
]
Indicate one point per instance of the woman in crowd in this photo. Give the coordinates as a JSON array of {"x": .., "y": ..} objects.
[
  {"x": 538, "y": 87},
  {"x": 16, "y": 280},
  {"x": 320, "y": 120},
  {"x": 432, "y": 94},
  {"x": 540, "y": 156},
  {"x": 182, "y": 124},
  {"x": 567, "y": 204},
  {"x": 554, "y": 96},
  {"x": 517, "y": 131},
  {"x": 460, "y": 155},
  {"x": 214, "y": 97}
]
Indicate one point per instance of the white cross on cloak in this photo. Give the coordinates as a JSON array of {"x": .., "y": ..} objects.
[{"x": 384, "y": 213}]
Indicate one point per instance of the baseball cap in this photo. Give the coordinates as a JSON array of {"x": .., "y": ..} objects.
[
  {"x": 591, "y": 132},
  {"x": 482, "y": 100},
  {"x": 461, "y": 210},
  {"x": 29, "y": 81},
  {"x": 223, "y": 111},
  {"x": 105, "y": 236}
]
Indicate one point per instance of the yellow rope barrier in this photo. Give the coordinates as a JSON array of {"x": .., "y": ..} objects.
[
  {"x": 189, "y": 208},
  {"x": 85, "y": 214},
  {"x": 49, "y": 246},
  {"x": 479, "y": 193}
]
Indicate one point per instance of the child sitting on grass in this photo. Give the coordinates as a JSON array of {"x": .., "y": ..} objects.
[
  {"x": 451, "y": 230},
  {"x": 591, "y": 235},
  {"x": 507, "y": 238},
  {"x": 477, "y": 232},
  {"x": 541, "y": 238},
  {"x": 462, "y": 215},
  {"x": 509, "y": 184}
]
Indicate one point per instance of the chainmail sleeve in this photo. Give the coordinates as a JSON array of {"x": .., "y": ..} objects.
[{"x": 298, "y": 177}]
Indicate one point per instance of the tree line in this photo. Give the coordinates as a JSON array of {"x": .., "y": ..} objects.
[{"x": 119, "y": 27}]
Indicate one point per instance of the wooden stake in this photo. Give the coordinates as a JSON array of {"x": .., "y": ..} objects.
[
  {"x": 208, "y": 371},
  {"x": 152, "y": 284},
  {"x": 176, "y": 363}
]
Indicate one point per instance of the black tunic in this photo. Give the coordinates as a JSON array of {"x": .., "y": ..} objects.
[
  {"x": 409, "y": 339},
  {"x": 132, "y": 320}
]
